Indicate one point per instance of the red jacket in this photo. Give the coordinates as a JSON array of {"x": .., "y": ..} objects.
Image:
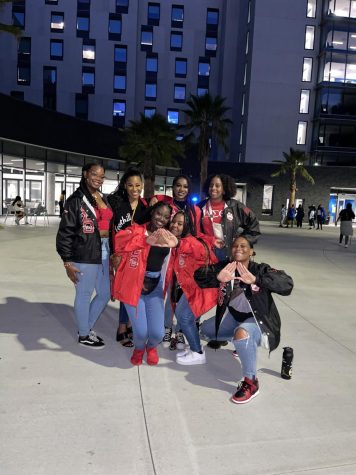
[
  {"x": 184, "y": 261},
  {"x": 130, "y": 243},
  {"x": 170, "y": 201}
]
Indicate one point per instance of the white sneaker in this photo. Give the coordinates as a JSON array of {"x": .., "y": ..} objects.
[
  {"x": 346, "y": 245},
  {"x": 191, "y": 358},
  {"x": 182, "y": 353}
]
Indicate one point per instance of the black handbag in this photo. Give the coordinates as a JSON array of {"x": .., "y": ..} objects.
[{"x": 149, "y": 284}]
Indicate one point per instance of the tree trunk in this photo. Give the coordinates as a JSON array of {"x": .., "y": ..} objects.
[
  {"x": 203, "y": 157},
  {"x": 292, "y": 189}
]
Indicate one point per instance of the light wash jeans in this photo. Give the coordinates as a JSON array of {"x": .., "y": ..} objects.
[
  {"x": 187, "y": 322},
  {"x": 147, "y": 319},
  {"x": 246, "y": 348},
  {"x": 95, "y": 277}
]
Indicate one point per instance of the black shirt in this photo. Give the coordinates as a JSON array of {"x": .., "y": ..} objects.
[{"x": 156, "y": 257}]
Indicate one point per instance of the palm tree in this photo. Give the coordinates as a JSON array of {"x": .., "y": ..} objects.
[
  {"x": 206, "y": 121},
  {"x": 151, "y": 141},
  {"x": 293, "y": 165},
  {"x": 13, "y": 30}
]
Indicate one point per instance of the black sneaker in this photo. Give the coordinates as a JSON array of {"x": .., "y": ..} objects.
[
  {"x": 91, "y": 341},
  {"x": 94, "y": 335},
  {"x": 215, "y": 345}
]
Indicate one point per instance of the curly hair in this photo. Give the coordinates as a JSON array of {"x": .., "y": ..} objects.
[{"x": 228, "y": 183}]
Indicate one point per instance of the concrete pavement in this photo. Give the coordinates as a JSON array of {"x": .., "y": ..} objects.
[{"x": 67, "y": 409}]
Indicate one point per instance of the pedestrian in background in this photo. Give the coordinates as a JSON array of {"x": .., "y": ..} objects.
[
  {"x": 283, "y": 216},
  {"x": 311, "y": 216},
  {"x": 299, "y": 216},
  {"x": 290, "y": 216},
  {"x": 320, "y": 217},
  {"x": 345, "y": 217},
  {"x": 61, "y": 201}
]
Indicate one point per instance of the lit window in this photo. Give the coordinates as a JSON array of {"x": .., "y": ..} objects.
[
  {"x": 311, "y": 8},
  {"x": 176, "y": 41},
  {"x": 212, "y": 17},
  {"x": 302, "y": 133},
  {"x": 181, "y": 67},
  {"x": 177, "y": 15},
  {"x": 201, "y": 91},
  {"x": 82, "y": 25},
  {"x": 88, "y": 78},
  {"x": 23, "y": 75},
  {"x": 204, "y": 69},
  {"x": 267, "y": 199},
  {"x": 304, "y": 101},
  {"x": 247, "y": 42},
  {"x": 49, "y": 76},
  {"x": 149, "y": 112},
  {"x": 120, "y": 54},
  {"x": 119, "y": 83},
  {"x": 151, "y": 91},
  {"x": 307, "y": 69},
  {"x": 57, "y": 22},
  {"x": 243, "y": 105},
  {"x": 119, "y": 108},
  {"x": 122, "y": 3},
  {"x": 245, "y": 74},
  {"x": 152, "y": 64},
  {"x": 56, "y": 48},
  {"x": 18, "y": 19},
  {"x": 89, "y": 53},
  {"x": 146, "y": 38},
  {"x": 173, "y": 116},
  {"x": 153, "y": 13},
  {"x": 309, "y": 37},
  {"x": 179, "y": 92},
  {"x": 211, "y": 43},
  {"x": 241, "y": 134},
  {"x": 115, "y": 26}
]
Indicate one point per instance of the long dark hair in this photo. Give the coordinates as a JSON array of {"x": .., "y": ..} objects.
[
  {"x": 189, "y": 207},
  {"x": 83, "y": 184},
  {"x": 159, "y": 204},
  {"x": 18, "y": 198},
  {"x": 187, "y": 230},
  {"x": 119, "y": 195}
]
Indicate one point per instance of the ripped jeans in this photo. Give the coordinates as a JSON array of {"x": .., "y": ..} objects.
[{"x": 245, "y": 348}]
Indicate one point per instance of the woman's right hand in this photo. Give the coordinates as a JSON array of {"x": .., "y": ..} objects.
[
  {"x": 72, "y": 272},
  {"x": 115, "y": 261},
  {"x": 227, "y": 273},
  {"x": 153, "y": 201}
]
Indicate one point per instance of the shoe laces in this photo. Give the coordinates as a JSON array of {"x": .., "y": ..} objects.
[
  {"x": 180, "y": 338},
  {"x": 244, "y": 387},
  {"x": 92, "y": 336}
]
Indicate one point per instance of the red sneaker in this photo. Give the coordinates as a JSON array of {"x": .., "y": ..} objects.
[
  {"x": 246, "y": 390},
  {"x": 152, "y": 356},
  {"x": 137, "y": 356}
]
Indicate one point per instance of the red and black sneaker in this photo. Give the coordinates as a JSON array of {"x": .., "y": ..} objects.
[{"x": 246, "y": 390}]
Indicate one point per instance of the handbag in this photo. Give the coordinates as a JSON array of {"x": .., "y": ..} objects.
[{"x": 149, "y": 284}]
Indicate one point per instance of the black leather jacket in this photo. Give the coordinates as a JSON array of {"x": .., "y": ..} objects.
[
  {"x": 78, "y": 237},
  {"x": 259, "y": 295},
  {"x": 237, "y": 220}
]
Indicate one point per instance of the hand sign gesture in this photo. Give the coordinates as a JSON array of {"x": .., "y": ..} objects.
[
  {"x": 162, "y": 238},
  {"x": 227, "y": 273},
  {"x": 245, "y": 275}
]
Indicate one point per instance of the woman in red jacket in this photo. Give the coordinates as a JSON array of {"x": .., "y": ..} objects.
[
  {"x": 189, "y": 300},
  {"x": 143, "y": 251}
]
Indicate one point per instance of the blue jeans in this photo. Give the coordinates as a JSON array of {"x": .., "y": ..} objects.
[
  {"x": 147, "y": 319},
  {"x": 123, "y": 315},
  {"x": 187, "y": 322},
  {"x": 95, "y": 277},
  {"x": 246, "y": 348}
]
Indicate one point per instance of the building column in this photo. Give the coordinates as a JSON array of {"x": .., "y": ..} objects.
[{"x": 50, "y": 189}]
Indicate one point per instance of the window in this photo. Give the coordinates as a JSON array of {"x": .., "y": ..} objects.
[
  {"x": 241, "y": 134},
  {"x": 49, "y": 76},
  {"x": 309, "y": 37},
  {"x": 212, "y": 17},
  {"x": 122, "y": 6},
  {"x": 24, "y": 46},
  {"x": 149, "y": 111},
  {"x": 151, "y": 91},
  {"x": 151, "y": 64},
  {"x": 302, "y": 133},
  {"x": 88, "y": 51},
  {"x": 153, "y": 13},
  {"x": 56, "y": 49},
  {"x": 179, "y": 92},
  {"x": 83, "y": 26},
  {"x": 267, "y": 199},
  {"x": 307, "y": 69},
  {"x": 243, "y": 105},
  {"x": 311, "y": 8},
  {"x": 342, "y": 8},
  {"x": 203, "y": 69},
  {"x": 177, "y": 16},
  {"x": 57, "y": 22},
  {"x": 211, "y": 44},
  {"x": 176, "y": 41},
  {"x": 146, "y": 38},
  {"x": 304, "y": 101},
  {"x": 88, "y": 79},
  {"x": 247, "y": 42},
  {"x": 18, "y": 19},
  {"x": 120, "y": 54},
  {"x": 119, "y": 83},
  {"x": 173, "y": 116},
  {"x": 119, "y": 113},
  {"x": 181, "y": 67},
  {"x": 115, "y": 25},
  {"x": 245, "y": 74},
  {"x": 24, "y": 75},
  {"x": 51, "y": 2},
  {"x": 81, "y": 106},
  {"x": 49, "y": 87},
  {"x": 201, "y": 91}
]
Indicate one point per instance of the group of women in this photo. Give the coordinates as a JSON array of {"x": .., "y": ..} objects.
[{"x": 170, "y": 253}]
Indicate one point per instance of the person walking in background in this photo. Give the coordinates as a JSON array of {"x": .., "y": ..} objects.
[
  {"x": 299, "y": 216},
  {"x": 283, "y": 216},
  {"x": 345, "y": 217},
  {"x": 128, "y": 207},
  {"x": 246, "y": 311},
  {"x": 20, "y": 210},
  {"x": 291, "y": 216},
  {"x": 61, "y": 201},
  {"x": 320, "y": 217},
  {"x": 311, "y": 216},
  {"x": 83, "y": 245}
]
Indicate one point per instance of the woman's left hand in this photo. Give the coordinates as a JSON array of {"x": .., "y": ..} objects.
[
  {"x": 245, "y": 275},
  {"x": 219, "y": 243},
  {"x": 162, "y": 238}
]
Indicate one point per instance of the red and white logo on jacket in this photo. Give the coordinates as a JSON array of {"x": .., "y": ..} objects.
[
  {"x": 134, "y": 258},
  {"x": 88, "y": 224},
  {"x": 181, "y": 260}
]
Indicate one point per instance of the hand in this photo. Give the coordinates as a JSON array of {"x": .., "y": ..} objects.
[
  {"x": 245, "y": 275},
  {"x": 115, "y": 261},
  {"x": 162, "y": 238},
  {"x": 219, "y": 243},
  {"x": 72, "y": 272},
  {"x": 227, "y": 273},
  {"x": 153, "y": 201}
]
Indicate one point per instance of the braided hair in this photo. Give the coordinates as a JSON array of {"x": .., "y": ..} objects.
[{"x": 83, "y": 184}]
